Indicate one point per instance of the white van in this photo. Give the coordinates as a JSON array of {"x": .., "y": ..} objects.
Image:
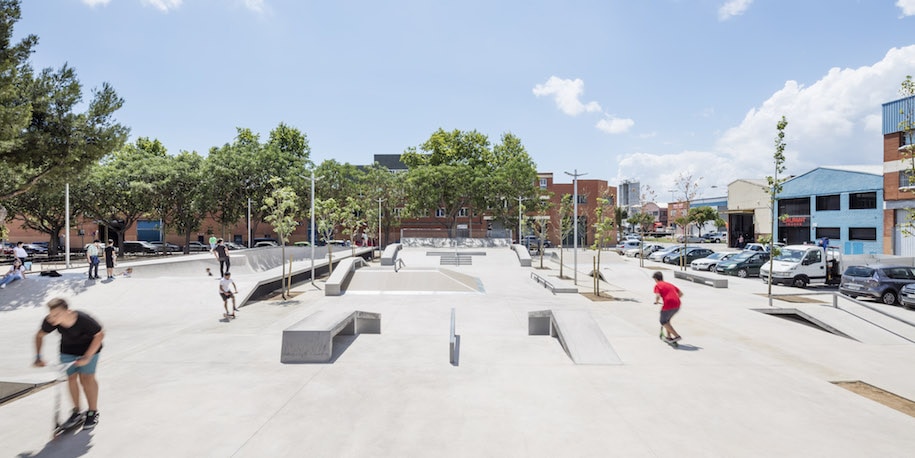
[{"x": 800, "y": 265}]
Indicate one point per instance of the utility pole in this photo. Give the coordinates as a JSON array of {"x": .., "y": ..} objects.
[{"x": 575, "y": 222}]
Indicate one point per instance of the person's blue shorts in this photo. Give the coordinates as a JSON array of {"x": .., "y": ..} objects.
[{"x": 87, "y": 369}]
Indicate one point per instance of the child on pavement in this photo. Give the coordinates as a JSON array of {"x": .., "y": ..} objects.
[
  {"x": 16, "y": 272},
  {"x": 224, "y": 284},
  {"x": 670, "y": 295}
]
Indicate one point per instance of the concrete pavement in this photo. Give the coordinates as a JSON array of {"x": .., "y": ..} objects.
[{"x": 177, "y": 380}]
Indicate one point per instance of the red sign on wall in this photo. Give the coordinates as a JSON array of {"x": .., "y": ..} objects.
[{"x": 794, "y": 221}]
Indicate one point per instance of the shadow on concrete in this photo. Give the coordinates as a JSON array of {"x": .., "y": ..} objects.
[
  {"x": 341, "y": 343},
  {"x": 688, "y": 347},
  {"x": 70, "y": 445},
  {"x": 35, "y": 291}
]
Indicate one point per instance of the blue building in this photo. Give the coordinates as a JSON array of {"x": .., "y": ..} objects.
[{"x": 842, "y": 203}]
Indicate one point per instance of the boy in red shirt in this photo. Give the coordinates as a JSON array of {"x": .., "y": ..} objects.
[{"x": 671, "y": 295}]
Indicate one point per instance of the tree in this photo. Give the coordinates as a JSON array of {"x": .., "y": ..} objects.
[
  {"x": 687, "y": 189},
  {"x": 907, "y": 127},
  {"x": 701, "y": 215},
  {"x": 457, "y": 169},
  {"x": 328, "y": 215},
  {"x": 775, "y": 186},
  {"x": 42, "y": 209},
  {"x": 281, "y": 210},
  {"x": 379, "y": 183},
  {"x": 183, "y": 193},
  {"x": 604, "y": 225},
  {"x": 352, "y": 220},
  {"x": 642, "y": 221},
  {"x": 121, "y": 189},
  {"x": 540, "y": 222}
]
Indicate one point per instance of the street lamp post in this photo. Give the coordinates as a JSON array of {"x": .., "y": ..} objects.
[
  {"x": 380, "y": 200},
  {"x": 67, "y": 219},
  {"x": 575, "y": 176},
  {"x": 520, "y": 198}
]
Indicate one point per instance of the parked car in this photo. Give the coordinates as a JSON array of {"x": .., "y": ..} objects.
[
  {"x": 907, "y": 296},
  {"x": 138, "y": 246},
  {"x": 690, "y": 239},
  {"x": 7, "y": 248},
  {"x": 257, "y": 240},
  {"x": 33, "y": 248},
  {"x": 645, "y": 250},
  {"x": 692, "y": 253},
  {"x": 235, "y": 246},
  {"x": 659, "y": 255},
  {"x": 632, "y": 237},
  {"x": 743, "y": 264},
  {"x": 715, "y": 237},
  {"x": 197, "y": 246},
  {"x": 709, "y": 262},
  {"x": 532, "y": 243},
  {"x": 626, "y": 245},
  {"x": 165, "y": 246},
  {"x": 265, "y": 243},
  {"x": 880, "y": 282}
]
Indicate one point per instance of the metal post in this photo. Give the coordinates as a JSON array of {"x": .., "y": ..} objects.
[
  {"x": 313, "y": 227},
  {"x": 249, "y": 222},
  {"x": 380, "y": 200},
  {"x": 575, "y": 221},
  {"x": 519, "y": 219},
  {"x": 67, "y": 217}
]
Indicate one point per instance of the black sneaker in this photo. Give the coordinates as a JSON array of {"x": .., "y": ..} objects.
[
  {"x": 91, "y": 419},
  {"x": 675, "y": 339},
  {"x": 75, "y": 418}
]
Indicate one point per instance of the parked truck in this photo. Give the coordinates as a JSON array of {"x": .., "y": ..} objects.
[{"x": 801, "y": 265}]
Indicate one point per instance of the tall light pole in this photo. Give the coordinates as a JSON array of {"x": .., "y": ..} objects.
[
  {"x": 249, "y": 222},
  {"x": 380, "y": 200},
  {"x": 313, "y": 228},
  {"x": 520, "y": 198},
  {"x": 575, "y": 221},
  {"x": 67, "y": 218}
]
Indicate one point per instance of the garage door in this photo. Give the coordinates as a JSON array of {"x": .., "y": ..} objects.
[{"x": 904, "y": 237}]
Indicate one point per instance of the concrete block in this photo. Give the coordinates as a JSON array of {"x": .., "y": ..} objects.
[{"x": 311, "y": 340}]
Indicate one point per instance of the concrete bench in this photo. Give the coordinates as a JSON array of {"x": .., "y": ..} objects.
[
  {"x": 311, "y": 340},
  {"x": 338, "y": 280},
  {"x": 696, "y": 278},
  {"x": 390, "y": 254},
  {"x": 578, "y": 333},
  {"x": 550, "y": 286},
  {"x": 524, "y": 256}
]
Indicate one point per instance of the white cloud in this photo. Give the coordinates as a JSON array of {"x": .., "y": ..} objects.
[
  {"x": 736, "y": 8},
  {"x": 255, "y": 5},
  {"x": 94, "y": 3},
  {"x": 163, "y": 5},
  {"x": 566, "y": 94},
  {"x": 907, "y": 7},
  {"x": 834, "y": 121},
  {"x": 612, "y": 125}
]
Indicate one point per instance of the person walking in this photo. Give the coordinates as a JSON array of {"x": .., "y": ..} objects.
[
  {"x": 212, "y": 242},
  {"x": 221, "y": 252},
  {"x": 80, "y": 343},
  {"x": 20, "y": 252},
  {"x": 225, "y": 293},
  {"x": 16, "y": 272},
  {"x": 92, "y": 254},
  {"x": 111, "y": 255},
  {"x": 670, "y": 296}
]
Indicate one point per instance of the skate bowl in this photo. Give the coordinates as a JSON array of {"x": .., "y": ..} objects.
[{"x": 413, "y": 281}]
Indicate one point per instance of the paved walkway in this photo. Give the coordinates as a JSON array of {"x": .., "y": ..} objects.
[{"x": 178, "y": 380}]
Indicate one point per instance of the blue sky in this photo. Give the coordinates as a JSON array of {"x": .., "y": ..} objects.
[{"x": 619, "y": 89}]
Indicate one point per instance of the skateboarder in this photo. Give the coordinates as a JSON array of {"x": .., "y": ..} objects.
[
  {"x": 80, "y": 342},
  {"x": 222, "y": 255},
  {"x": 670, "y": 295},
  {"x": 224, "y": 284}
]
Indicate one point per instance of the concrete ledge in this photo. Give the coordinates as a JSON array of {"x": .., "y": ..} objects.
[
  {"x": 524, "y": 256},
  {"x": 696, "y": 278},
  {"x": 550, "y": 286},
  {"x": 311, "y": 340},
  {"x": 390, "y": 254},
  {"x": 337, "y": 281},
  {"x": 578, "y": 333}
]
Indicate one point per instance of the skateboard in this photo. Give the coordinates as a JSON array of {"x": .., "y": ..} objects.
[
  {"x": 673, "y": 344},
  {"x": 61, "y": 429}
]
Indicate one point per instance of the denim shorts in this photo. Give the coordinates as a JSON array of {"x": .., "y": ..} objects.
[{"x": 87, "y": 369}]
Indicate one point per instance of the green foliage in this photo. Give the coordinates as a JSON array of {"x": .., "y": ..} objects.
[
  {"x": 182, "y": 191},
  {"x": 643, "y": 221},
  {"x": 458, "y": 169},
  {"x": 379, "y": 183},
  {"x": 42, "y": 209},
  {"x": 281, "y": 210},
  {"x": 701, "y": 215},
  {"x": 775, "y": 183}
]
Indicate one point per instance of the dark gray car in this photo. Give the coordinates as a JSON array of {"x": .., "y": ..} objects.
[{"x": 879, "y": 282}]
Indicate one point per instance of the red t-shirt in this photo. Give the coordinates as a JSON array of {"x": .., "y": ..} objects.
[{"x": 670, "y": 294}]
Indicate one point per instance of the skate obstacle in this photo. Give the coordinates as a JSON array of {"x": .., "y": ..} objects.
[
  {"x": 311, "y": 340},
  {"x": 577, "y": 332}
]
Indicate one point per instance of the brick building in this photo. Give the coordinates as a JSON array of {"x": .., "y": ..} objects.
[{"x": 898, "y": 179}]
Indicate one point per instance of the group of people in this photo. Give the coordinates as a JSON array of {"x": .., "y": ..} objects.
[
  {"x": 18, "y": 268},
  {"x": 93, "y": 255}
]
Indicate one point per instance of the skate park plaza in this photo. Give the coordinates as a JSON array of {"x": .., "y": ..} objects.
[{"x": 457, "y": 347}]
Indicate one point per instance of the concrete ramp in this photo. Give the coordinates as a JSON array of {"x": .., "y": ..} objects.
[
  {"x": 861, "y": 323},
  {"x": 413, "y": 281},
  {"x": 578, "y": 333}
]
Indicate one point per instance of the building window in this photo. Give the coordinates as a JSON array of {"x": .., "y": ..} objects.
[
  {"x": 828, "y": 232},
  {"x": 462, "y": 211},
  {"x": 830, "y": 202},
  {"x": 440, "y": 213},
  {"x": 543, "y": 183},
  {"x": 794, "y": 207},
  {"x": 862, "y": 233},
  {"x": 398, "y": 211},
  {"x": 582, "y": 199},
  {"x": 862, "y": 200},
  {"x": 906, "y": 178}
]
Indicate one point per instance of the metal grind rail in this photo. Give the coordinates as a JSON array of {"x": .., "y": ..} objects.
[{"x": 835, "y": 305}]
